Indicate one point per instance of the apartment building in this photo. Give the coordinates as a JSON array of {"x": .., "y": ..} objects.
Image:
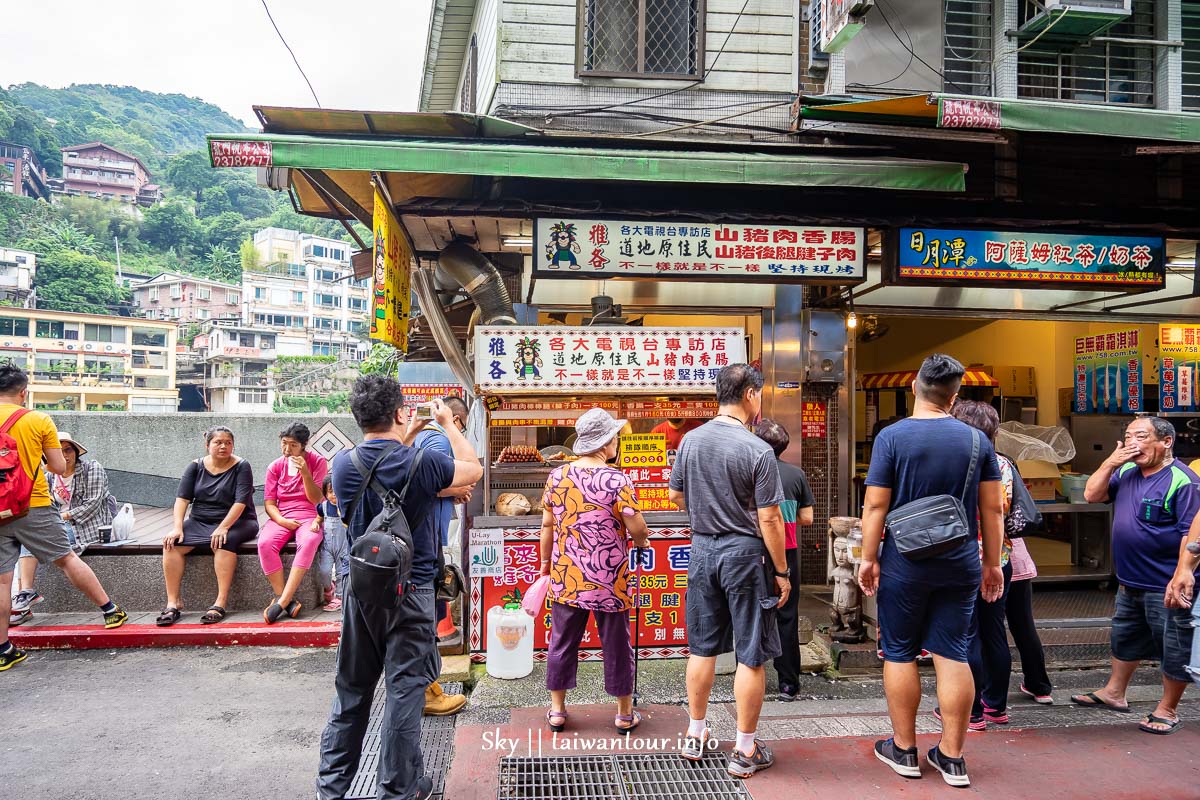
[
  {"x": 235, "y": 361},
  {"x": 187, "y": 299},
  {"x": 90, "y": 362},
  {"x": 17, "y": 269},
  {"x": 21, "y": 173},
  {"x": 307, "y": 285},
  {"x": 105, "y": 173}
]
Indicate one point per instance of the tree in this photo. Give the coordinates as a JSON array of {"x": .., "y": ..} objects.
[
  {"x": 190, "y": 172},
  {"x": 71, "y": 281},
  {"x": 170, "y": 225},
  {"x": 224, "y": 229},
  {"x": 223, "y": 264},
  {"x": 384, "y": 360},
  {"x": 249, "y": 256},
  {"x": 213, "y": 201}
]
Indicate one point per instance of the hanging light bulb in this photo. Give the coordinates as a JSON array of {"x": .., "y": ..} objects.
[{"x": 851, "y": 320}]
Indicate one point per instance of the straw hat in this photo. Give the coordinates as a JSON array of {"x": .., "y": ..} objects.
[{"x": 65, "y": 438}]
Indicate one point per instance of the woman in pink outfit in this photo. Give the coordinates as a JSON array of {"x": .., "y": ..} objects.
[{"x": 292, "y": 492}]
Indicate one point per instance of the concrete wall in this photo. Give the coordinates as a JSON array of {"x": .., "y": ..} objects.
[{"x": 145, "y": 454}]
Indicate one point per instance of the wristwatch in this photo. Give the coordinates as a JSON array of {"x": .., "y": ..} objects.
[{"x": 787, "y": 573}]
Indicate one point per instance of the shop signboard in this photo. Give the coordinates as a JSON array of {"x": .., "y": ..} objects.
[
  {"x": 557, "y": 413},
  {"x": 698, "y": 251},
  {"x": 669, "y": 409},
  {"x": 1108, "y": 373},
  {"x": 421, "y": 394},
  {"x": 935, "y": 256},
  {"x": 552, "y": 360},
  {"x": 643, "y": 450},
  {"x": 813, "y": 416},
  {"x": 390, "y": 298},
  {"x": 662, "y": 632},
  {"x": 1179, "y": 360},
  {"x": 486, "y": 552}
]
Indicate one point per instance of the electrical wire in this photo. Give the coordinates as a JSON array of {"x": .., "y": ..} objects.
[
  {"x": 290, "y": 52},
  {"x": 909, "y": 48},
  {"x": 702, "y": 123}
]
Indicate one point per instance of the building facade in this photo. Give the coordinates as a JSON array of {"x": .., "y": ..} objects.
[
  {"x": 89, "y": 362},
  {"x": 105, "y": 173},
  {"x": 21, "y": 173},
  {"x": 235, "y": 361},
  {"x": 17, "y": 270},
  {"x": 186, "y": 299}
]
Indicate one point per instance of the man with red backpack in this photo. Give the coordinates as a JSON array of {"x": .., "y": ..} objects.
[{"x": 27, "y": 517}]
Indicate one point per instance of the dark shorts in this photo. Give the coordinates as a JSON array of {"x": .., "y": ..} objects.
[
  {"x": 1144, "y": 630},
  {"x": 727, "y": 592},
  {"x": 919, "y": 615},
  {"x": 198, "y": 534}
]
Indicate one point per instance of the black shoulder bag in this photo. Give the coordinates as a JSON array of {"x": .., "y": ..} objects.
[
  {"x": 933, "y": 525},
  {"x": 381, "y": 558},
  {"x": 1024, "y": 518}
]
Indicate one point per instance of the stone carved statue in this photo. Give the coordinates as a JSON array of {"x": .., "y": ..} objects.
[{"x": 847, "y": 598}]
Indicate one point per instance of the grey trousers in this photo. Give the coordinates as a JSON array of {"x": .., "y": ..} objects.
[{"x": 400, "y": 644}]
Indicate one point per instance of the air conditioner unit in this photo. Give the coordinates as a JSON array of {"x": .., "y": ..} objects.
[
  {"x": 108, "y": 347},
  {"x": 70, "y": 347},
  {"x": 89, "y": 347},
  {"x": 1069, "y": 23}
]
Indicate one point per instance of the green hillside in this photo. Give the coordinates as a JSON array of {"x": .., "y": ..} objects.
[{"x": 149, "y": 125}]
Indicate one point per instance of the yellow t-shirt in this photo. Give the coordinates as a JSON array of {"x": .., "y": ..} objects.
[{"x": 35, "y": 433}]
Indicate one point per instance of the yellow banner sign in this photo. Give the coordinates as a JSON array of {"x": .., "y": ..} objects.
[
  {"x": 390, "y": 298},
  {"x": 643, "y": 450}
]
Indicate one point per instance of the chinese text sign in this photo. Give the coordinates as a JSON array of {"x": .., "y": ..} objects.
[
  {"x": 1108, "y": 373},
  {"x": 1179, "y": 361},
  {"x": 390, "y": 297}
]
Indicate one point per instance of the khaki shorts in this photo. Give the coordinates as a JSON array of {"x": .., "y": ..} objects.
[{"x": 42, "y": 533}]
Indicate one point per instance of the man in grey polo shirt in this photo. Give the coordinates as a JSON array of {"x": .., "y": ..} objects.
[{"x": 726, "y": 479}]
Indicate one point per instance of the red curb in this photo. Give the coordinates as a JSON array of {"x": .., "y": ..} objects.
[{"x": 91, "y": 637}]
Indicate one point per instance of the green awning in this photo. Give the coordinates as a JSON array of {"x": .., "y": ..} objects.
[
  {"x": 506, "y": 158},
  {"x": 994, "y": 113}
]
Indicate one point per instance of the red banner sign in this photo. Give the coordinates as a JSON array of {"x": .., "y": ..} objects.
[
  {"x": 667, "y": 409},
  {"x": 420, "y": 394},
  {"x": 813, "y": 420}
]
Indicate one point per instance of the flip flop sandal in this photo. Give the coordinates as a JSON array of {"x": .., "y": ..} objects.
[
  {"x": 552, "y": 715},
  {"x": 293, "y": 609},
  {"x": 633, "y": 719},
  {"x": 1172, "y": 725},
  {"x": 213, "y": 615},
  {"x": 1095, "y": 701},
  {"x": 169, "y": 616},
  {"x": 272, "y": 613}
]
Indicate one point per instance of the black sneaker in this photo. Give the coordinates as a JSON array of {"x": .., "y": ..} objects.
[
  {"x": 743, "y": 766},
  {"x": 11, "y": 658},
  {"x": 954, "y": 770},
  {"x": 903, "y": 762},
  {"x": 787, "y": 692},
  {"x": 424, "y": 788},
  {"x": 115, "y": 618}
]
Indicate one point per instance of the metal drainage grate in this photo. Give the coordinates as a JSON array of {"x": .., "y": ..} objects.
[{"x": 661, "y": 776}]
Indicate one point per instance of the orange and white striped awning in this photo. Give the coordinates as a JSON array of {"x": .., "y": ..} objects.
[{"x": 904, "y": 379}]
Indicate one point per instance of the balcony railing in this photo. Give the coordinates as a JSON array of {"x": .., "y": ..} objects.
[
  {"x": 81, "y": 378},
  {"x": 240, "y": 382}
]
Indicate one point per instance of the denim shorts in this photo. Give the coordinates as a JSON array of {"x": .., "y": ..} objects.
[
  {"x": 1144, "y": 630},
  {"x": 1194, "y": 667},
  {"x": 727, "y": 592},
  {"x": 913, "y": 616}
]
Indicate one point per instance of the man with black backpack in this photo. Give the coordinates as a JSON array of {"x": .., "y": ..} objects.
[{"x": 388, "y": 490}]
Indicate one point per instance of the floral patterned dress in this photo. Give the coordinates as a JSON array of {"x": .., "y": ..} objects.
[{"x": 589, "y": 562}]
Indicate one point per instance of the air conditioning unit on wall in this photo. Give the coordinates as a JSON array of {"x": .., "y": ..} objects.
[{"x": 1069, "y": 23}]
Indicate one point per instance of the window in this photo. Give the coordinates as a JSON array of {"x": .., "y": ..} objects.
[
  {"x": 297, "y": 270},
  {"x": 280, "y": 320},
  {"x": 266, "y": 341},
  {"x": 233, "y": 298},
  {"x": 337, "y": 254},
  {"x": 357, "y": 303},
  {"x": 256, "y": 396},
  {"x": 56, "y": 364},
  {"x": 1191, "y": 55},
  {"x": 153, "y": 294},
  {"x": 357, "y": 326},
  {"x": 1111, "y": 72},
  {"x": 326, "y": 349},
  {"x": 203, "y": 293},
  {"x": 149, "y": 337},
  {"x": 104, "y": 365},
  {"x": 466, "y": 95},
  {"x": 105, "y": 333},
  {"x": 10, "y": 326},
  {"x": 327, "y": 324},
  {"x": 967, "y": 54},
  {"x": 328, "y": 275},
  {"x": 176, "y": 291},
  {"x": 318, "y": 250},
  {"x": 327, "y": 300},
  {"x": 260, "y": 294},
  {"x": 659, "y": 38},
  {"x": 151, "y": 382},
  {"x": 145, "y": 359},
  {"x": 160, "y": 405},
  {"x": 46, "y": 329},
  {"x": 202, "y": 313},
  {"x": 361, "y": 283},
  {"x": 298, "y": 298}
]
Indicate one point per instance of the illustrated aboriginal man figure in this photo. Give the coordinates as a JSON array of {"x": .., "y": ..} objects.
[
  {"x": 528, "y": 360},
  {"x": 562, "y": 246},
  {"x": 380, "y": 283}
]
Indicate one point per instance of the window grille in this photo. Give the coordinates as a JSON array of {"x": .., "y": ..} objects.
[
  {"x": 466, "y": 99},
  {"x": 1191, "y": 56},
  {"x": 1112, "y": 73},
  {"x": 967, "y": 57},
  {"x": 659, "y": 38}
]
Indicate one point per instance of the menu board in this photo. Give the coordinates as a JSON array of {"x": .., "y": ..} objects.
[
  {"x": 420, "y": 394},
  {"x": 1179, "y": 354},
  {"x": 669, "y": 409},
  {"x": 1108, "y": 373},
  {"x": 643, "y": 450},
  {"x": 549, "y": 360}
]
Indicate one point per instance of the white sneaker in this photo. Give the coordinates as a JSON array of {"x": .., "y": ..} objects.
[
  {"x": 694, "y": 747},
  {"x": 19, "y": 617}
]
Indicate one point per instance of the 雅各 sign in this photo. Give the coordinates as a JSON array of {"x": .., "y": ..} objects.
[
  {"x": 691, "y": 251},
  {"x": 552, "y": 360}
]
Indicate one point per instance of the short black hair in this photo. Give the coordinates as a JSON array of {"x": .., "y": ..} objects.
[
  {"x": 773, "y": 434},
  {"x": 327, "y": 484},
  {"x": 940, "y": 378},
  {"x": 978, "y": 415},
  {"x": 374, "y": 402},
  {"x": 211, "y": 433},
  {"x": 12, "y": 378},
  {"x": 734, "y": 380},
  {"x": 298, "y": 431},
  {"x": 1162, "y": 428},
  {"x": 457, "y": 406}
]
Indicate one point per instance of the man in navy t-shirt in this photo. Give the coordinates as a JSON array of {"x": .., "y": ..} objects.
[
  {"x": 400, "y": 643},
  {"x": 1155, "y": 498},
  {"x": 929, "y": 603}
]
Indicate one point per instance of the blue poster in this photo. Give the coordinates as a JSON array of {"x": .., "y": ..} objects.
[{"x": 935, "y": 255}]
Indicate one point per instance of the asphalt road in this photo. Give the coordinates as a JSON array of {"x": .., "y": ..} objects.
[{"x": 202, "y": 723}]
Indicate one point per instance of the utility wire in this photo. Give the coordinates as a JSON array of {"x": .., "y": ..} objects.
[
  {"x": 914, "y": 53},
  {"x": 292, "y": 54}
]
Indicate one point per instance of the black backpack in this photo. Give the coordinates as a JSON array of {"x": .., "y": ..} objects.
[
  {"x": 381, "y": 559},
  {"x": 1023, "y": 518}
]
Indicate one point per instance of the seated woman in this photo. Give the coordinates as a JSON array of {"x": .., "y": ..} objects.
[
  {"x": 292, "y": 492},
  {"x": 81, "y": 495},
  {"x": 589, "y": 511},
  {"x": 219, "y": 488}
]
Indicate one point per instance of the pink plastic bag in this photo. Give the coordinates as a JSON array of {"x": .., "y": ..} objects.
[{"x": 535, "y": 598}]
